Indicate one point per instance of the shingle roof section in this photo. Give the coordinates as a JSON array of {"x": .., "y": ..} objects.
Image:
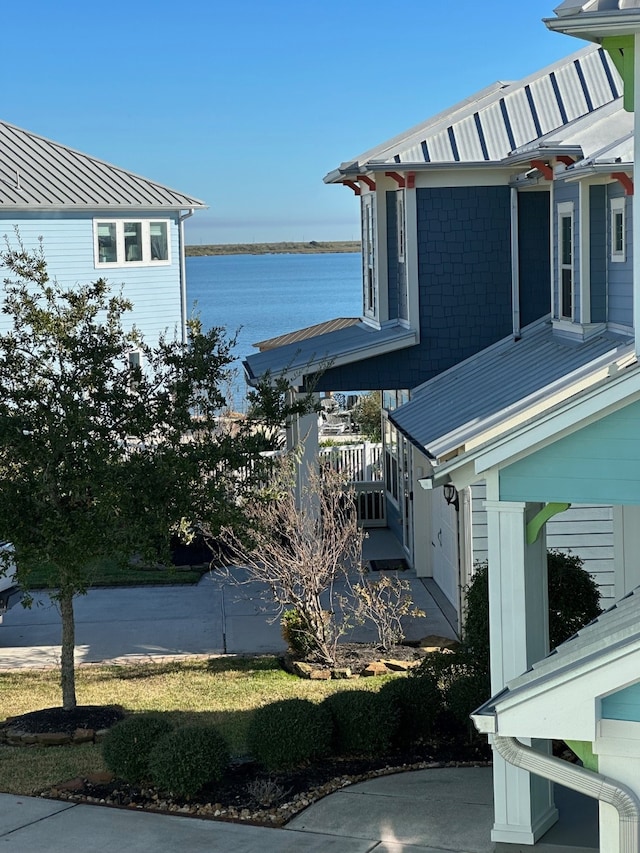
[
  {"x": 505, "y": 116},
  {"x": 308, "y": 332},
  {"x": 465, "y": 400},
  {"x": 38, "y": 173}
]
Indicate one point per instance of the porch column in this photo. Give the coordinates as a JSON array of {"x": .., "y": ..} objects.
[
  {"x": 302, "y": 436},
  {"x": 519, "y": 636}
]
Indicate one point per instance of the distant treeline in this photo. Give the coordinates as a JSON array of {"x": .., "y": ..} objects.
[{"x": 313, "y": 247}]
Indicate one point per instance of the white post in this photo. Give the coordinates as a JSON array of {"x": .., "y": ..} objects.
[
  {"x": 302, "y": 436},
  {"x": 519, "y": 632},
  {"x": 636, "y": 196}
]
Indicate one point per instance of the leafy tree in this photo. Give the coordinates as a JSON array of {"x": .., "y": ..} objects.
[
  {"x": 367, "y": 415},
  {"x": 99, "y": 459}
]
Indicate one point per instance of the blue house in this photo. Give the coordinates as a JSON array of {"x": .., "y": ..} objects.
[
  {"x": 457, "y": 234},
  {"x": 97, "y": 221}
]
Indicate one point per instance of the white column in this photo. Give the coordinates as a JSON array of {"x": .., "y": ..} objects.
[
  {"x": 302, "y": 436},
  {"x": 519, "y": 636},
  {"x": 636, "y": 196}
]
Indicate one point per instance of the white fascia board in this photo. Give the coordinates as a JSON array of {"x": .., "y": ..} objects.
[
  {"x": 570, "y": 417},
  {"x": 594, "y": 26}
]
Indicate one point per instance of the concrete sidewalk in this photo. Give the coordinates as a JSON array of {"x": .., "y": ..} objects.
[{"x": 443, "y": 810}]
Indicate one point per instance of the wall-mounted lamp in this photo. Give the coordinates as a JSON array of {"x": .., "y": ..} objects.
[{"x": 451, "y": 495}]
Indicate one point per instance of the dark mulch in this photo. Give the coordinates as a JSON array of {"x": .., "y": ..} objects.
[{"x": 94, "y": 717}]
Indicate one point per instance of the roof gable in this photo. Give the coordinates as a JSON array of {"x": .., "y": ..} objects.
[
  {"x": 501, "y": 118},
  {"x": 37, "y": 173}
]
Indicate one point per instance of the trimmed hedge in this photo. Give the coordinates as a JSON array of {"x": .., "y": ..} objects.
[
  {"x": 185, "y": 760},
  {"x": 416, "y": 705},
  {"x": 127, "y": 746},
  {"x": 363, "y": 722},
  {"x": 289, "y": 733}
]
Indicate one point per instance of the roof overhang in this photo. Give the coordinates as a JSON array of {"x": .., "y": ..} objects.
[
  {"x": 296, "y": 361},
  {"x": 594, "y": 26},
  {"x": 611, "y": 392}
]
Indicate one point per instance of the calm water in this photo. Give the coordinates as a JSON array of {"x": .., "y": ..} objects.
[{"x": 268, "y": 295}]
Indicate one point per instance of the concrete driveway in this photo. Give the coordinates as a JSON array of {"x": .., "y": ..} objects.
[{"x": 214, "y": 617}]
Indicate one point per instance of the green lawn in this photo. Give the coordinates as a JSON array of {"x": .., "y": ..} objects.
[
  {"x": 223, "y": 691},
  {"x": 113, "y": 573}
]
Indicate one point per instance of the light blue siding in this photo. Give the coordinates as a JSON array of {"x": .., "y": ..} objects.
[
  {"x": 620, "y": 297},
  {"x": 598, "y": 464},
  {"x": 623, "y": 705},
  {"x": 584, "y": 530},
  {"x": 67, "y": 241}
]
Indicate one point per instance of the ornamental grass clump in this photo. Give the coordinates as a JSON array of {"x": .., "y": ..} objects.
[
  {"x": 127, "y": 746},
  {"x": 289, "y": 733},
  {"x": 185, "y": 760},
  {"x": 363, "y": 722}
]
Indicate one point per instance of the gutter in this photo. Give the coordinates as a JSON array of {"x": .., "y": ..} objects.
[
  {"x": 594, "y": 785},
  {"x": 183, "y": 275}
]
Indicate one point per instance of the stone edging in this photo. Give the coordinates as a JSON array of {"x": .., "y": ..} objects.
[{"x": 18, "y": 737}]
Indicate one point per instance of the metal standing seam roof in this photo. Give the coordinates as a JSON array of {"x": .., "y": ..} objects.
[
  {"x": 617, "y": 627},
  {"x": 308, "y": 332},
  {"x": 487, "y": 388},
  {"x": 37, "y": 173},
  {"x": 342, "y": 346},
  {"x": 501, "y": 118}
]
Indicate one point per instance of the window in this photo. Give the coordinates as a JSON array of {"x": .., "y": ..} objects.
[
  {"x": 123, "y": 242},
  {"x": 370, "y": 286},
  {"x": 565, "y": 260},
  {"x": 391, "y": 468},
  {"x": 618, "y": 224}
]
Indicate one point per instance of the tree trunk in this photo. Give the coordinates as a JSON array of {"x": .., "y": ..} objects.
[{"x": 67, "y": 667}]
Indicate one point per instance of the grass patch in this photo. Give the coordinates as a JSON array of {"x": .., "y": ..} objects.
[
  {"x": 114, "y": 573},
  {"x": 224, "y": 691}
]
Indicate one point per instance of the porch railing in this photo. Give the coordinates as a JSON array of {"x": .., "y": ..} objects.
[{"x": 362, "y": 464}]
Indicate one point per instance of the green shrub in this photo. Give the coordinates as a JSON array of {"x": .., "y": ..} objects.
[
  {"x": 296, "y": 634},
  {"x": 185, "y": 760},
  {"x": 363, "y": 722},
  {"x": 289, "y": 733},
  {"x": 127, "y": 746},
  {"x": 573, "y": 602},
  {"x": 417, "y": 706}
]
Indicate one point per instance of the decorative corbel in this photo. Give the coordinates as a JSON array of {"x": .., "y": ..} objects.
[
  {"x": 544, "y": 168},
  {"x": 625, "y": 180},
  {"x": 397, "y": 177},
  {"x": 368, "y": 181},
  {"x": 356, "y": 189}
]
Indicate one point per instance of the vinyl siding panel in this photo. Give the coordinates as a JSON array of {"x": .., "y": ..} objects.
[
  {"x": 67, "y": 242},
  {"x": 620, "y": 296},
  {"x": 585, "y": 531},
  {"x": 600, "y": 463}
]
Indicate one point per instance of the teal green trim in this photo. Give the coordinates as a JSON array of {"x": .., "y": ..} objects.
[
  {"x": 623, "y": 704},
  {"x": 537, "y": 523},
  {"x": 621, "y": 49},
  {"x": 584, "y": 750}
]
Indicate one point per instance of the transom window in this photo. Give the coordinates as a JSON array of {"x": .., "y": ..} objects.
[
  {"x": 124, "y": 242},
  {"x": 565, "y": 260},
  {"x": 618, "y": 227}
]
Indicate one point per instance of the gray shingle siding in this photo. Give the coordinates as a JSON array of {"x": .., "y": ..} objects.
[
  {"x": 534, "y": 240},
  {"x": 620, "y": 297}
]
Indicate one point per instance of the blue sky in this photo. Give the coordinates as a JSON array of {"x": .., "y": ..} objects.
[{"x": 247, "y": 104}]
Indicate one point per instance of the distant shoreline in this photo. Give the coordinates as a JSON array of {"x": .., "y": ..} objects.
[{"x": 312, "y": 248}]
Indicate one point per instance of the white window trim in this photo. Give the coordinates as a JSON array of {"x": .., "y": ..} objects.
[
  {"x": 617, "y": 207},
  {"x": 370, "y": 302},
  {"x": 146, "y": 261},
  {"x": 401, "y": 226},
  {"x": 566, "y": 210}
]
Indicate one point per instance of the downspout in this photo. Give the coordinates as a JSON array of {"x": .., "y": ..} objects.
[
  {"x": 578, "y": 779},
  {"x": 183, "y": 276},
  {"x": 515, "y": 266}
]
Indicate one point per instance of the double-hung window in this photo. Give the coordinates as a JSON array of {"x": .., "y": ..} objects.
[
  {"x": 565, "y": 260},
  {"x": 618, "y": 226},
  {"x": 370, "y": 285},
  {"x": 131, "y": 242}
]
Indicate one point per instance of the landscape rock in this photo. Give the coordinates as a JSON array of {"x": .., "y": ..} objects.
[
  {"x": 375, "y": 668},
  {"x": 400, "y": 665}
]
